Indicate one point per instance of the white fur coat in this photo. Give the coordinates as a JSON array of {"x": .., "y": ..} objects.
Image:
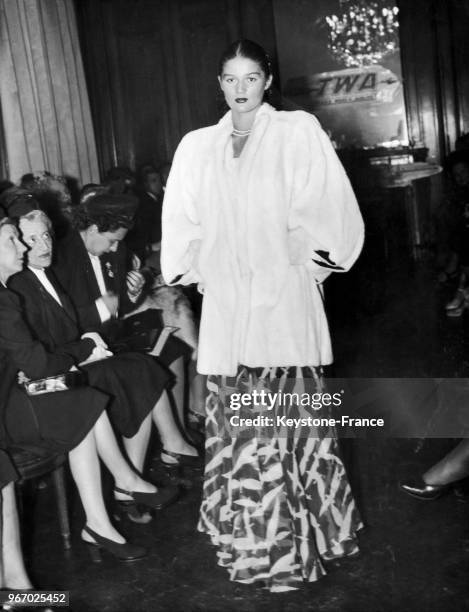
[{"x": 259, "y": 234}]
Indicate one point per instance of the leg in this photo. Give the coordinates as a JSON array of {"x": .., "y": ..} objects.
[
  {"x": 454, "y": 466},
  {"x": 14, "y": 573},
  {"x": 137, "y": 446},
  {"x": 99, "y": 531},
  {"x": 125, "y": 477},
  {"x": 171, "y": 437},
  {"x": 197, "y": 393},
  {"x": 178, "y": 390},
  {"x": 84, "y": 464}
]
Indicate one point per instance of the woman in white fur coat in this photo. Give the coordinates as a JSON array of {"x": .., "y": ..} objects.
[{"x": 258, "y": 211}]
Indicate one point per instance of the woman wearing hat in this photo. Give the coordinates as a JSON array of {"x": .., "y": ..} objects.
[
  {"x": 71, "y": 420},
  {"x": 104, "y": 282}
]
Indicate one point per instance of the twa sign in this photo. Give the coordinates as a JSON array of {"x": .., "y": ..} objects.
[{"x": 367, "y": 84}]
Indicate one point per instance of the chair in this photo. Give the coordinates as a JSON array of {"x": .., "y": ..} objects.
[{"x": 32, "y": 465}]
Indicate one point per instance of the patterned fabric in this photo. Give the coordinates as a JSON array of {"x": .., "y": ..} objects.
[{"x": 276, "y": 500}]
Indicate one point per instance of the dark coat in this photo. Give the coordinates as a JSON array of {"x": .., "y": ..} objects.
[
  {"x": 56, "y": 328},
  {"x": 57, "y": 421},
  {"x": 75, "y": 273},
  {"x": 22, "y": 350}
]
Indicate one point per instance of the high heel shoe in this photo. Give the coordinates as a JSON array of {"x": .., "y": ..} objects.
[
  {"x": 158, "y": 500},
  {"x": 175, "y": 475},
  {"x": 458, "y": 304},
  {"x": 123, "y": 552},
  {"x": 422, "y": 490},
  {"x": 190, "y": 461},
  {"x": 130, "y": 510}
]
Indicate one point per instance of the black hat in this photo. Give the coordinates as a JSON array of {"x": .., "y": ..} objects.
[
  {"x": 91, "y": 190},
  {"x": 112, "y": 205},
  {"x": 4, "y": 218},
  {"x": 18, "y": 202}
]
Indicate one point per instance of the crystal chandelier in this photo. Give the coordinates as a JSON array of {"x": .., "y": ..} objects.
[{"x": 364, "y": 31}]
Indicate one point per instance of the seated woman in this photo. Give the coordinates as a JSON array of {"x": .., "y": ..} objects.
[
  {"x": 104, "y": 282},
  {"x": 72, "y": 421},
  {"x": 135, "y": 381}
]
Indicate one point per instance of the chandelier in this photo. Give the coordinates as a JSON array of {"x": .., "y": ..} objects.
[{"x": 364, "y": 31}]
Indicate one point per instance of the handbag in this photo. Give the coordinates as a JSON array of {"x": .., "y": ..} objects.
[{"x": 60, "y": 382}]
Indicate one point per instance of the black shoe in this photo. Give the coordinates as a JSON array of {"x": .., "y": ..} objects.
[
  {"x": 123, "y": 552},
  {"x": 131, "y": 511},
  {"x": 422, "y": 490},
  {"x": 158, "y": 500},
  {"x": 175, "y": 475},
  {"x": 189, "y": 461}
]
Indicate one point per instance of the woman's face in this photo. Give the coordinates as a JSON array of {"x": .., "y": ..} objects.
[
  {"x": 243, "y": 83},
  {"x": 36, "y": 235},
  {"x": 11, "y": 252},
  {"x": 98, "y": 243}
]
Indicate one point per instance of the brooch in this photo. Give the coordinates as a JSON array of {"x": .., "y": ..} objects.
[{"x": 109, "y": 270}]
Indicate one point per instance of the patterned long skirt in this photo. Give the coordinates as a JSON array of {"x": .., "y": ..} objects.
[{"x": 276, "y": 498}]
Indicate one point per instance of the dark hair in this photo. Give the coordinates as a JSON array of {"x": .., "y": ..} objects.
[
  {"x": 109, "y": 212},
  {"x": 83, "y": 219},
  {"x": 4, "y": 185},
  {"x": 250, "y": 50}
]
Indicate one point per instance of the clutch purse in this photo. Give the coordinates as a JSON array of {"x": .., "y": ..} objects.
[{"x": 52, "y": 384}]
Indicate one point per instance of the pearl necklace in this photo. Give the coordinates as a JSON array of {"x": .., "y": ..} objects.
[{"x": 236, "y": 132}]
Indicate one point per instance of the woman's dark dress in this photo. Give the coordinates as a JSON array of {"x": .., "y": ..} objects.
[
  {"x": 55, "y": 421},
  {"x": 133, "y": 381}
]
